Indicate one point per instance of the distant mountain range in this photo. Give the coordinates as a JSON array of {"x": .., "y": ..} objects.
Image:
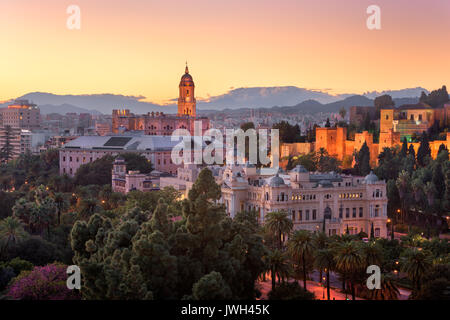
[
  {"x": 278, "y": 98},
  {"x": 312, "y": 106}
]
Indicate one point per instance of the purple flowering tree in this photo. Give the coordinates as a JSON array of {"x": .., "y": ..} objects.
[{"x": 43, "y": 283}]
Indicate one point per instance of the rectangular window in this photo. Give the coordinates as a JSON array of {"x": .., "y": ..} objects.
[
  {"x": 347, "y": 212},
  {"x": 354, "y": 213},
  {"x": 314, "y": 212},
  {"x": 300, "y": 213},
  {"x": 361, "y": 212},
  {"x": 307, "y": 215},
  {"x": 377, "y": 232},
  {"x": 340, "y": 213}
]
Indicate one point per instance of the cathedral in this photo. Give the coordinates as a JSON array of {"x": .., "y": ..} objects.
[{"x": 159, "y": 123}]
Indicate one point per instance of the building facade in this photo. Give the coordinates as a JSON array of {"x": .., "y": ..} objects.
[
  {"x": 327, "y": 202},
  {"x": 159, "y": 123},
  {"x": 21, "y": 114},
  {"x": 335, "y": 142},
  {"x": 124, "y": 181},
  {"x": 19, "y": 141},
  {"x": 86, "y": 149},
  {"x": 413, "y": 119}
]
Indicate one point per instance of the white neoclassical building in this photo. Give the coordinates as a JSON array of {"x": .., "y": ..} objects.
[{"x": 327, "y": 202}]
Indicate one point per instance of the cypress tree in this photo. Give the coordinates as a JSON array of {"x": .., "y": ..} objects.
[
  {"x": 363, "y": 161},
  {"x": 424, "y": 151},
  {"x": 438, "y": 180},
  {"x": 404, "y": 151},
  {"x": 442, "y": 147},
  {"x": 411, "y": 151}
]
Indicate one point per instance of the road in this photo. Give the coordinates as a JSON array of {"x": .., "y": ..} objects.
[{"x": 320, "y": 293}]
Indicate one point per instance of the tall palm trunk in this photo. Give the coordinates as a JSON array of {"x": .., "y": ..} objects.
[
  {"x": 352, "y": 286},
  {"x": 273, "y": 279},
  {"x": 304, "y": 271},
  {"x": 328, "y": 283},
  {"x": 280, "y": 243}
]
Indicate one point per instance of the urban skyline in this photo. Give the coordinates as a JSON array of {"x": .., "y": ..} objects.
[{"x": 323, "y": 46}]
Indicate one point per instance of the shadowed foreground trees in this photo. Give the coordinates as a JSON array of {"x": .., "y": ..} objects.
[{"x": 147, "y": 255}]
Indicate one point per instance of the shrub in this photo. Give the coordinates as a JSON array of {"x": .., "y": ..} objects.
[
  {"x": 6, "y": 274},
  {"x": 42, "y": 283}
]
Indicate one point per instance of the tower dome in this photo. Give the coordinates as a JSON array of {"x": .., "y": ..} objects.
[{"x": 186, "y": 78}]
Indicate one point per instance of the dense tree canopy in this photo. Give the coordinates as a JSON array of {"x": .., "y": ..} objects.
[
  {"x": 288, "y": 133},
  {"x": 168, "y": 259}
]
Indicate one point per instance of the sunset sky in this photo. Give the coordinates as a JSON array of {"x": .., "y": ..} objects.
[{"x": 139, "y": 47}]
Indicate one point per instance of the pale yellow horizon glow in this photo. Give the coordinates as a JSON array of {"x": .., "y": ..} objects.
[{"x": 139, "y": 47}]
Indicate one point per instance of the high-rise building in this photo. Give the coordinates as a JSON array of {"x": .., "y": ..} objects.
[
  {"x": 21, "y": 114},
  {"x": 13, "y": 142}
]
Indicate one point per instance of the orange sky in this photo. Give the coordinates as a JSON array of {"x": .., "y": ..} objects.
[{"x": 138, "y": 47}]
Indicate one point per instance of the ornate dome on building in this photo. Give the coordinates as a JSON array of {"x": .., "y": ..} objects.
[
  {"x": 186, "y": 78},
  {"x": 371, "y": 178}
]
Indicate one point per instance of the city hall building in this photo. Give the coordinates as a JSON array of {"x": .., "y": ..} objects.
[{"x": 328, "y": 202}]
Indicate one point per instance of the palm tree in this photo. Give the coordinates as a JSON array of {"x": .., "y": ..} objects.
[
  {"x": 320, "y": 241},
  {"x": 301, "y": 248},
  {"x": 61, "y": 204},
  {"x": 388, "y": 290},
  {"x": 430, "y": 191},
  {"x": 416, "y": 263},
  {"x": 403, "y": 185},
  {"x": 279, "y": 223},
  {"x": 277, "y": 265},
  {"x": 11, "y": 231},
  {"x": 324, "y": 260},
  {"x": 372, "y": 253},
  {"x": 349, "y": 259}
]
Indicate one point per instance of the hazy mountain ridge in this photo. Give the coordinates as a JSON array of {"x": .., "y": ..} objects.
[
  {"x": 397, "y": 94},
  {"x": 276, "y": 98},
  {"x": 312, "y": 106},
  {"x": 264, "y": 97}
]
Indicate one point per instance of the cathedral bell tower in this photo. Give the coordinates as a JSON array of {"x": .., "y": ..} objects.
[{"x": 186, "y": 99}]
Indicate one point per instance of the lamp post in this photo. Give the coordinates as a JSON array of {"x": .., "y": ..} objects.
[{"x": 323, "y": 288}]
